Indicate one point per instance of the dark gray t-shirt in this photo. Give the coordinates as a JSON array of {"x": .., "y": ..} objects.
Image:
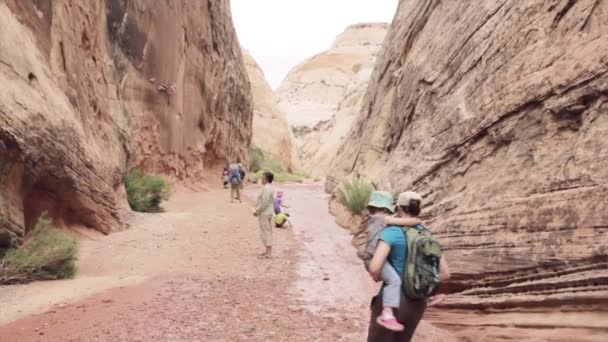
[{"x": 375, "y": 225}]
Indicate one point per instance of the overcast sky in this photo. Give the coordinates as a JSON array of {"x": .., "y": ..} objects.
[{"x": 282, "y": 33}]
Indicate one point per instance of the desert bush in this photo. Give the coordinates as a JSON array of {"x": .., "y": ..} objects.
[
  {"x": 273, "y": 166},
  {"x": 146, "y": 192},
  {"x": 48, "y": 255},
  {"x": 302, "y": 173},
  {"x": 285, "y": 177},
  {"x": 259, "y": 164},
  {"x": 279, "y": 177},
  {"x": 354, "y": 195},
  {"x": 256, "y": 158}
]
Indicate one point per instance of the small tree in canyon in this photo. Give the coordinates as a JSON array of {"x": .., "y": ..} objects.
[
  {"x": 146, "y": 192},
  {"x": 48, "y": 254}
]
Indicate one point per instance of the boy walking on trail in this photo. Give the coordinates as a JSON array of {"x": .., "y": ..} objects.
[
  {"x": 264, "y": 210},
  {"x": 380, "y": 206}
]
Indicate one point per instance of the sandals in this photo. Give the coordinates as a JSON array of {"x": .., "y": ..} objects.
[
  {"x": 391, "y": 324},
  {"x": 264, "y": 256}
]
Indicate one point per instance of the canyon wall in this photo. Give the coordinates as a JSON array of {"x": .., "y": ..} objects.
[
  {"x": 323, "y": 95},
  {"x": 271, "y": 132},
  {"x": 497, "y": 113},
  {"x": 91, "y": 88}
]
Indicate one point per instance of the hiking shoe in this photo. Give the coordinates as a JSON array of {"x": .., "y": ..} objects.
[{"x": 390, "y": 324}]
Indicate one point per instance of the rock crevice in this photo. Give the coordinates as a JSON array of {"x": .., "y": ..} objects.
[
  {"x": 93, "y": 88},
  {"x": 495, "y": 113},
  {"x": 322, "y": 95}
]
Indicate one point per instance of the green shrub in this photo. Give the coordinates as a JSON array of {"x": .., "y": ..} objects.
[
  {"x": 50, "y": 254},
  {"x": 354, "y": 195},
  {"x": 272, "y": 165},
  {"x": 256, "y": 158},
  {"x": 146, "y": 192},
  {"x": 279, "y": 177},
  {"x": 284, "y": 177},
  {"x": 302, "y": 173},
  {"x": 258, "y": 165}
]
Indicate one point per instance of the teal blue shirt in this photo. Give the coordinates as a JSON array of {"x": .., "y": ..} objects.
[{"x": 395, "y": 238}]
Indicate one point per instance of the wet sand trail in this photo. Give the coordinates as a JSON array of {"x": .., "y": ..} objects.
[{"x": 191, "y": 274}]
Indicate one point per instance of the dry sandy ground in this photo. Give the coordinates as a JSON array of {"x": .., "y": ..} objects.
[{"x": 191, "y": 274}]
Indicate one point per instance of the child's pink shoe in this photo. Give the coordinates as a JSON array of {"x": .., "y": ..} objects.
[{"x": 390, "y": 324}]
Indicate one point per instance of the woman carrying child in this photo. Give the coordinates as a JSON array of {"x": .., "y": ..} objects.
[
  {"x": 391, "y": 250},
  {"x": 380, "y": 207}
]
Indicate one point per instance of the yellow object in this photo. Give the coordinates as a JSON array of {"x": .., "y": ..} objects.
[{"x": 280, "y": 219}]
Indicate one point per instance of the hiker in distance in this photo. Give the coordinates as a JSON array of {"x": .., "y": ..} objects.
[
  {"x": 242, "y": 173},
  {"x": 394, "y": 246},
  {"x": 226, "y": 176},
  {"x": 264, "y": 210},
  {"x": 235, "y": 183}
]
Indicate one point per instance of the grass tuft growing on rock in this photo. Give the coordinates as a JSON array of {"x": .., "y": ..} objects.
[
  {"x": 146, "y": 192},
  {"x": 50, "y": 254},
  {"x": 354, "y": 195}
]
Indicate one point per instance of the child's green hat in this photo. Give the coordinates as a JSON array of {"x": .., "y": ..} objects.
[{"x": 381, "y": 199}]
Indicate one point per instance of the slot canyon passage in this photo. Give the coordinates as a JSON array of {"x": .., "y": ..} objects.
[{"x": 495, "y": 111}]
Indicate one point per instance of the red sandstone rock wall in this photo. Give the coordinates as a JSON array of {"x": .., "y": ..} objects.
[
  {"x": 497, "y": 112},
  {"x": 91, "y": 88}
]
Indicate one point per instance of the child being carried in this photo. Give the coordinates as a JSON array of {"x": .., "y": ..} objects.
[{"x": 380, "y": 208}]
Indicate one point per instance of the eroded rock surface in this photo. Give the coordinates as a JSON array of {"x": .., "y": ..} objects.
[
  {"x": 497, "y": 112},
  {"x": 91, "y": 88},
  {"x": 271, "y": 132},
  {"x": 323, "y": 95}
]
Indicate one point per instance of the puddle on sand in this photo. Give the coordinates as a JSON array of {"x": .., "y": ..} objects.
[{"x": 331, "y": 279}]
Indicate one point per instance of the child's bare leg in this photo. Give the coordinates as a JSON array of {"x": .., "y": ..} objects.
[
  {"x": 391, "y": 296},
  {"x": 436, "y": 299}
]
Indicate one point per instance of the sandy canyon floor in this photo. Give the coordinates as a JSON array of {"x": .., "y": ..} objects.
[{"x": 191, "y": 274}]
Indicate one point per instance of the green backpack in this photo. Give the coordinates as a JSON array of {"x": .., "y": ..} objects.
[{"x": 421, "y": 274}]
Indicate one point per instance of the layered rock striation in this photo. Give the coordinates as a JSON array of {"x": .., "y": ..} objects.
[
  {"x": 92, "y": 88},
  {"x": 323, "y": 95},
  {"x": 271, "y": 132},
  {"x": 497, "y": 113}
]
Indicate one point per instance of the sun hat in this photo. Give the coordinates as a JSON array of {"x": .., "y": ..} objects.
[
  {"x": 381, "y": 199},
  {"x": 405, "y": 198}
]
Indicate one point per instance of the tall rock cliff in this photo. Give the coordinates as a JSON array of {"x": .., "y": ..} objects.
[
  {"x": 497, "y": 113},
  {"x": 271, "y": 132},
  {"x": 324, "y": 93},
  {"x": 91, "y": 88}
]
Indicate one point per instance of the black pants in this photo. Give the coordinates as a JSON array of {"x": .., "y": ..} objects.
[{"x": 409, "y": 314}]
